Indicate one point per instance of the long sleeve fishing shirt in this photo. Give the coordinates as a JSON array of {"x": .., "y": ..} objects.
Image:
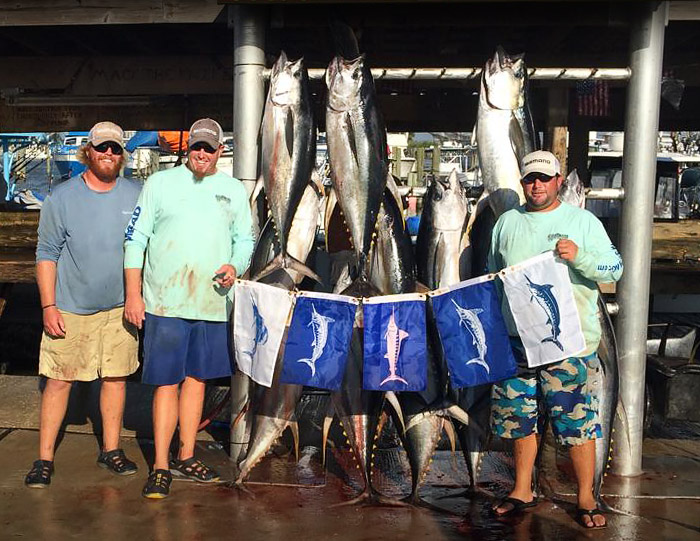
[
  {"x": 181, "y": 231},
  {"x": 519, "y": 235}
]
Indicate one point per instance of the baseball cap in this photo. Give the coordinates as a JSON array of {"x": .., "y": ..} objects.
[
  {"x": 103, "y": 132},
  {"x": 206, "y": 130},
  {"x": 540, "y": 161}
]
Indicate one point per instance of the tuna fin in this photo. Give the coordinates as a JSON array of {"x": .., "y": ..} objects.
[
  {"x": 257, "y": 189},
  {"x": 351, "y": 139},
  {"x": 462, "y": 416},
  {"x": 517, "y": 138},
  {"x": 241, "y": 414},
  {"x": 394, "y": 401},
  {"x": 450, "y": 431},
  {"x": 289, "y": 132},
  {"x": 294, "y": 428},
  {"x": 327, "y": 421},
  {"x": 287, "y": 262}
]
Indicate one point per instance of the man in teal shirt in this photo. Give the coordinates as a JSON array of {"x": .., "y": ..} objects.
[
  {"x": 190, "y": 236},
  {"x": 576, "y": 236}
]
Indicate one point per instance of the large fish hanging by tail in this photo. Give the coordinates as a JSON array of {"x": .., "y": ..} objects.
[
  {"x": 504, "y": 134},
  {"x": 357, "y": 151},
  {"x": 288, "y": 153}
]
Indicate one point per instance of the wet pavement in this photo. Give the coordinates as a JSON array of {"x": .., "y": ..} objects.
[{"x": 289, "y": 500}]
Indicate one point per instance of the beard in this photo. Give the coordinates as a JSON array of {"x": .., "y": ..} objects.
[{"x": 106, "y": 169}]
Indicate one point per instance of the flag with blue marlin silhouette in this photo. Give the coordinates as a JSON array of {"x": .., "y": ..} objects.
[
  {"x": 473, "y": 333},
  {"x": 395, "y": 351},
  {"x": 260, "y": 314},
  {"x": 318, "y": 341},
  {"x": 543, "y": 307}
]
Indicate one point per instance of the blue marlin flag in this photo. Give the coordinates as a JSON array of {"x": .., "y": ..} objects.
[
  {"x": 319, "y": 340},
  {"x": 395, "y": 351},
  {"x": 473, "y": 333}
]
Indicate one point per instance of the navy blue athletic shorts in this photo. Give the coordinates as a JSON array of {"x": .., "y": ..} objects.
[{"x": 174, "y": 348}]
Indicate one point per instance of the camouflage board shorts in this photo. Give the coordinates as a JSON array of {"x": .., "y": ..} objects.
[{"x": 568, "y": 390}]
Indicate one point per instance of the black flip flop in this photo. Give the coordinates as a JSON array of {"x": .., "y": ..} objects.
[
  {"x": 518, "y": 506},
  {"x": 590, "y": 513}
]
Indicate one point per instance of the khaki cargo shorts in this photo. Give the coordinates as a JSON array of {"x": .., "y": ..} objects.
[{"x": 100, "y": 345}]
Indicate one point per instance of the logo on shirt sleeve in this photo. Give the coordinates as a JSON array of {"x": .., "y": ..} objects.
[{"x": 129, "y": 233}]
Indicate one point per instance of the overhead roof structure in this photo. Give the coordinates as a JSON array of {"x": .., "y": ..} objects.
[{"x": 162, "y": 63}]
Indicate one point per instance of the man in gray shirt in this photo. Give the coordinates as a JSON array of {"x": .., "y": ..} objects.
[{"x": 79, "y": 272}]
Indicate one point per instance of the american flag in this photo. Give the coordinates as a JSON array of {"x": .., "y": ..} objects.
[{"x": 592, "y": 98}]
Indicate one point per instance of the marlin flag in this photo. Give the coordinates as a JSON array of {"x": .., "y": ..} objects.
[
  {"x": 473, "y": 333},
  {"x": 319, "y": 340},
  {"x": 259, "y": 317},
  {"x": 542, "y": 304},
  {"x": 395, "y": 352}
]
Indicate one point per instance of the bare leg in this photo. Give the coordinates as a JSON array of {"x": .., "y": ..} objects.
[
  {"x": 112, "y": 397},
  {"x": 165, "y": 408},
  {"x": 525, "y": 453},
  {"x": 54, "y": 402},
  {"x": 583, "y": 459},
  {"x": 191, "y": 404}
]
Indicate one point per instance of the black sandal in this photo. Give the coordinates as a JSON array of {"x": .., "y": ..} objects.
[
  {"x": 590, "y": 513},
  {"x": 518, "y": 506},
  {"x": 158, "y": 485},
  {"x": 194, "y": 469},
  {"x": 116, "y": 462},
  {"x": 40, "y": 474}
]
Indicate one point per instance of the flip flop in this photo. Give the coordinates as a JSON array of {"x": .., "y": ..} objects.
[
  {"x": 590, "y": 513},
  {"x": 518, "y": 506}
]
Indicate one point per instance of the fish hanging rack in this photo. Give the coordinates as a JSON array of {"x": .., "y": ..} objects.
[{"x": 466, "y": 74}]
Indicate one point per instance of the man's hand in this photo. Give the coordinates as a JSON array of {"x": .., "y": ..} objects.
[
  {"x": 135, "y": 310},
  {"x": 53, "y": 322},
  {"x": 566, "y": 249},
  {"x": 225, "y": 275}
]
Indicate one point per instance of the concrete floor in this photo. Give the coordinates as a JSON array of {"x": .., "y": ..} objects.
[{"x": 85, "y": 501}]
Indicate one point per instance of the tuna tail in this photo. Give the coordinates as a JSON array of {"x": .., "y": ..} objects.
[
  {"x": 553, "y": 341},
  {"x": 310, "y": 364},
  {"x": 286, "y": 261}
]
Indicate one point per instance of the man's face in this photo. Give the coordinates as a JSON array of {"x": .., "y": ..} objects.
[
  {"x": 541, "y": 191},
  {"x": 105, "y": 160},
  {"x": 202, "y": 158}
]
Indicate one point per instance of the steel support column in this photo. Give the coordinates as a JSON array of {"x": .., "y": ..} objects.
[
  {"x": 248, "y": 99},
  {"x": 638, "y": 175}
]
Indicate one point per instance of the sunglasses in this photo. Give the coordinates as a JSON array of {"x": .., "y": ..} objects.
[
  {"x": 203, "y": 146},
  {"x": 114, "y": 147},
  {"x": 530, "y": 179}
]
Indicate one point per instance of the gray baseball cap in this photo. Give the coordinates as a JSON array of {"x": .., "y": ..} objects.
[
  {"x": 540, "y": 161},
  {"x": 206, "y": 130},
  {"x": 103, "y": 132}
]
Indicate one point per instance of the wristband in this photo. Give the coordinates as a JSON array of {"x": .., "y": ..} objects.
[{"x": 48, "y": 306}]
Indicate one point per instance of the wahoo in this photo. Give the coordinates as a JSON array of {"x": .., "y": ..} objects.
[
  {"x": 543, "y": 295},
  {"x": 319, "y": 325},
  {"x": 357, "y": 151},
  {"x": 393, "y": 336},
  {"x": 288, "y": 153},
  {"x": 470, "y": 320}
]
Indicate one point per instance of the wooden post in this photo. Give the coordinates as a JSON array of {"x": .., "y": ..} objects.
[
  {"x": 578, "y": 146},
  {"x": 436, "y": 160},
  {"x": 420, "y": 164},
  {"x": 557, "y": 124}
]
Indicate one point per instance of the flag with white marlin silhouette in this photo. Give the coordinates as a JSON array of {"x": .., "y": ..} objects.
[
  {"x": 318, "y": 341},
  {"x": 543, "y": 308},
  {"x": 395, "y": 351},
  {"x": 260, "y": 314},
  {"x": 473, "y": 333}
]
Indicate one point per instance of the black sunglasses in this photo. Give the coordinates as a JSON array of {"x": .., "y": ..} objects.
[
  {"x": 203, "y": 146},
  {"x": 114, "y": 147},
  {"x": 530, "y": 179}
]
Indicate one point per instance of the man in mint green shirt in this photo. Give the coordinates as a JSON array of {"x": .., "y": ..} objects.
[
  {"x": 576, "y": 236},
  {"x": 189, "y": 237}
]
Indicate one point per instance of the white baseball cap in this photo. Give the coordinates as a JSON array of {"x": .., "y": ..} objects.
[{"x": 542, "y": 162}]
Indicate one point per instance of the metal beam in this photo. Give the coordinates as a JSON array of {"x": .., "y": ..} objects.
[
  {"x": 638, "y": 174},
  {"x": 466, "y": 74},
  {"x": 248, "y": 100}
]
